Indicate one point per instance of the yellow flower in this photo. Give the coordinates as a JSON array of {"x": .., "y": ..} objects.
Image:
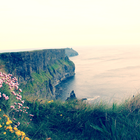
[
  {"x": 18, "y": 133},
  {"x": 0, "y": 125},
  {"x": 0, "y": 109},
  {"x": 22, "y": 133},
  {"x": 4, "y": 133},
  {"x": 50, "y": 101},
  {"x": 8, "y": 122},
  {"x": 11, "y": 131},
  {"x": 15, "y": 128},
  {"x": 26, "y": 138},
  {"x": 9, "y": 127},
  {"x": 5, "y": 115},
  {"x": 0, "y": 118},
  {"x": 60, "y": 114}
]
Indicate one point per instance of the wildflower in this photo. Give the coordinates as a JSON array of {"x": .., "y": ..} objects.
[
  {"x": 9, "y": 127},
  {"x": 5, "y": 115},
  {"x": 15, "y": 128},
  {"x": 0, "y": 125},
  {"x": 49, "y": 101},
  {"x": 22, "y": 101},
  {"x": 4, "y": 133},
  {"x": 27, "y": 107},
  {"x": 20, "y": 90},
  {"x": 12, "y": 106},
  {"x": 22, "y": 133},
  {"x": 8, "y": 122},
  {"x": 60, "y": 114},
  {"x": 26, "y": 138},
  {"x": 18, "y": 123},
  {"x": 3, "y": 95},
  {"x": 18, "y": 133},
  {"x": 0, "y": 109},
  {"x": 6, "y": 98},
  {"x": 31, "y": 115}
]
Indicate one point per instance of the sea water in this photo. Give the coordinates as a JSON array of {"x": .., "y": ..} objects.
[{"x": 105, "y": 73}]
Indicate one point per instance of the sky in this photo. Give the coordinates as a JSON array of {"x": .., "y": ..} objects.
[{"x": 68, "y": 23}]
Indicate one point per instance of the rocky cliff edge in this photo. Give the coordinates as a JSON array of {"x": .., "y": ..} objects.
[{"x": 38, "y": 72}]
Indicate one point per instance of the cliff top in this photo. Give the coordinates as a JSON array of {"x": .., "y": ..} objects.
[{"x": 70, "y": 52}]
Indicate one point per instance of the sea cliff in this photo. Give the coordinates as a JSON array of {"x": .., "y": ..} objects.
[
  {"x": 70, "y": 52},
  {"x": 39, "y": 71}
]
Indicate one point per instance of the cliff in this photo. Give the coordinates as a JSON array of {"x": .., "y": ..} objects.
[
  {"x": 70, "y": 52},
  {"x": 38, "y": 72}
]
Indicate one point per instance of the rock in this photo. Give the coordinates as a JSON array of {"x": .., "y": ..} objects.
[
  {"x": 39, "y": 71},
  {"x": 72, "y": 96},
  {"x": 83, "y": 99},
  {"x": 70, "y": 52}
]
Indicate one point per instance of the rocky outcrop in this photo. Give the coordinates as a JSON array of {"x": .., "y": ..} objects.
[
  {"x": 38, "y": 72},
  {"x": 70, "y": 52},
  {"x": 72, "y": 96}
]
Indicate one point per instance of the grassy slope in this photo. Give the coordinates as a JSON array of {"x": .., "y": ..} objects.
[{"x": 76, "y": 120}]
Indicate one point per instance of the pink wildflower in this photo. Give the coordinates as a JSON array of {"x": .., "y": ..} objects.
[
  {"x": 27, "y": 107},
  {"x": 31, "y": 115},
  {"x": 20, "y": 90},
  {"x": 12, "y": 106},
  {"x": 22, "y": 101},
  {"x": 18, "y": 123},
  {"x": 3, "y": 95},
  {"x": 6, "y": 98}
]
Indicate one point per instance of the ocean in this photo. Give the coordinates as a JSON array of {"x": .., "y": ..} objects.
[{"x": 110, "y": 74}]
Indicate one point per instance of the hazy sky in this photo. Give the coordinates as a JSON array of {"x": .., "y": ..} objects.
[{"x": 68, "y": 23}]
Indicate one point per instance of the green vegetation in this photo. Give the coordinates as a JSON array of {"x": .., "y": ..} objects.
[
  {"x": 39, "y": 80},
  {"x": 76, "y": 120},
  {"x": 69, "y": 120}
]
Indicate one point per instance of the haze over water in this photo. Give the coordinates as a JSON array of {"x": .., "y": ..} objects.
[{"x": 111, "y": 74}]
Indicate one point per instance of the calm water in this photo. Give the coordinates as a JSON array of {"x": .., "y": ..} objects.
[{"x": 111, "y": 74}]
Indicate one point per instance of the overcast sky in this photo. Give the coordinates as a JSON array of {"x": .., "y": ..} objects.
[{"x": 68, "y": 23}]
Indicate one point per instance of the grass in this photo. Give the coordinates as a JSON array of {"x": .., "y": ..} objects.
[
  {"x": 78, "y": 120},
  {"x": 73, "y": 119}
]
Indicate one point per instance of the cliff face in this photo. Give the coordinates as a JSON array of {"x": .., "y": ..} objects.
[
  {"x": 70, "y": 52},
  {"x": 38, "y": 72}
]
